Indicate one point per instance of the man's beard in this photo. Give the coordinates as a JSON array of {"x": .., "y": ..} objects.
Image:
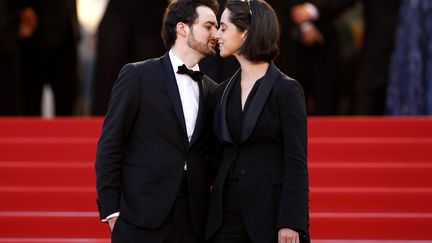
[{"x": 202, "y": 48}]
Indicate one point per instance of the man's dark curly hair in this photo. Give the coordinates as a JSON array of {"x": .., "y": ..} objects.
[{"x": 182, "y": 11}]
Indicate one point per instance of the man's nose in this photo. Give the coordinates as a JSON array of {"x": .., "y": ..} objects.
[
  {"x": 217, "y": 35},
  {"x": 214, "y": 31}
]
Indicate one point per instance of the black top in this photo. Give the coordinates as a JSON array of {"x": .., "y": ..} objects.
[{"x": 235, "y": 118}]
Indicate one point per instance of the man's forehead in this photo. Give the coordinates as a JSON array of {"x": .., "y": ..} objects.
[{"x": 205, "y": 14}]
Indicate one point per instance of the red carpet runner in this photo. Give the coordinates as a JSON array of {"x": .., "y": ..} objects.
[{"x": 370, "y": 180}]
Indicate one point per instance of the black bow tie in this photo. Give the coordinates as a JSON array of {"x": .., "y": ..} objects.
[{"x": 195, "y": 75}]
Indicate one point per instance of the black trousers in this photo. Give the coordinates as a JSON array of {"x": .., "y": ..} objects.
[
  {"x": 232, "y": 229},
  {"x": 176, "y": 229}
]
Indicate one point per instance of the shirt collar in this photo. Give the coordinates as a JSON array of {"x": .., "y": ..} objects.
[{"x": 176, "y": 62}]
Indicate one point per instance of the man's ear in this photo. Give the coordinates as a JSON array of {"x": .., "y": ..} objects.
[{"x": 182, "y": 29}]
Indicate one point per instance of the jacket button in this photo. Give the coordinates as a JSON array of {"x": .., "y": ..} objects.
[{"x": 242, "y": 172}]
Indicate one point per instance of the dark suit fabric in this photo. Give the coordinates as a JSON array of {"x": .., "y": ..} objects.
[
  {"x": 50, "y": 56},
  {"x": 129, "y": 32},
  {"x": 315, "y": 67},
  {"x": 177, "y": 228},
  {"x": 373, "y": 75},
  {"x": 10, "y": 82},
  {"x": 144, "y": 145},
  {"x": 272, "y": 186}
]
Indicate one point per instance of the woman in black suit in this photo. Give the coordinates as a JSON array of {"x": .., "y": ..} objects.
[{"x": 260, "y": 193}]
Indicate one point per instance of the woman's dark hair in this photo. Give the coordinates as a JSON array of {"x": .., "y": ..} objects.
[
  {"x": 260, "y": 20},
  {"x": 182, "y": 11}
]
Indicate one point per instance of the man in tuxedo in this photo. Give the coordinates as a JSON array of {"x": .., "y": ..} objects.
[{"x": 151, "y": 162}]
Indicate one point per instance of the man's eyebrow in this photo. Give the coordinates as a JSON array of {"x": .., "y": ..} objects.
[{"x": 211, "y": 22}]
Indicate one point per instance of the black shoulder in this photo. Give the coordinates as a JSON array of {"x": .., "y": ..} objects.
[
  {"x": 146, "y": 64},
  {"x": 286, "y": 85}
]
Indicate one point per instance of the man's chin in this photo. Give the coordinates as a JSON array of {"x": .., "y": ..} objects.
[
  {"x": 212, "y": 52},
  {"x": 209, "y": 53}
]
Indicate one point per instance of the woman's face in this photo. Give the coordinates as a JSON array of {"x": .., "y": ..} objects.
[{"x": 229, "y": 38}]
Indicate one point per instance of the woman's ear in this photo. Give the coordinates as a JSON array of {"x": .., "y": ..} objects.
[{"x": 244, "y": 35}]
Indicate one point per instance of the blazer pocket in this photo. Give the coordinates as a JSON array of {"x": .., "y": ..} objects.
[{"x": 276, "y": 177}]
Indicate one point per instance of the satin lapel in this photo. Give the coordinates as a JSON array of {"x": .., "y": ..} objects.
[
  {"x": 251, "y": 117},
  {"x": 221, "y": 125},
  {"x": 202, "y": 111},
  {"x": 172, "y": 89}
]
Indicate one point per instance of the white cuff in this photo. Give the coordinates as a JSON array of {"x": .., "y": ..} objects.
[{"x": 111, "y": 216}]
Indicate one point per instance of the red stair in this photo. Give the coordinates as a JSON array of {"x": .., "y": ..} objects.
[{"x": 370, "y": 180}]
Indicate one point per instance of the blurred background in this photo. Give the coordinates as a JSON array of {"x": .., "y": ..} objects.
[
  {"x": 370, "y": 177},
  {"x": 352, "y": 57}
]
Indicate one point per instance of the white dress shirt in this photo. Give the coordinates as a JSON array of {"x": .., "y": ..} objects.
[{"x": 189, "y": 93}]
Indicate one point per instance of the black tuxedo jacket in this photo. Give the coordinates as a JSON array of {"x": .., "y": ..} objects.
[
  {"x": 143, "y": 147},
  {"x": 271, "y": 157}
]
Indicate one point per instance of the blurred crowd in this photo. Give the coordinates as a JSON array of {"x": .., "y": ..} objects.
[{"x": 353, "y": 57}]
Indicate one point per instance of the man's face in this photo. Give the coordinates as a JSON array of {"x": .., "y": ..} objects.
[{"x": 201, "y": 37}]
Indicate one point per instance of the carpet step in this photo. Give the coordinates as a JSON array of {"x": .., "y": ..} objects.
[
  {"x": 320, "y": 174},
  {"x": 370, "y": 199},
  {"x": 380, "y": 226},
  {"x": 367, "y": 150},
  {"x": 402, "y": 226},
  {"x": 317, "y": 127},
  {"x": 55, "y": 240},
  {"x": 52, "y": 224},
  {"x": 107, "y": 240},
  {"x": 70, "y": 174},
  {"x": 49, "y": 150},
  {"x": 368, "y": 241},
  {"x": 327, "y": 150},
  {"x": 371, "y": 127},
  {"x": 378, "y": 175},
  {"x": 48, "y": 199},
  {"x": 321, "y": 199},
  {"x": 54, "y": 128}
]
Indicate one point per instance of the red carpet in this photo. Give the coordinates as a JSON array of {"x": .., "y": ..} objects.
[{"x": 370, "y": 180}]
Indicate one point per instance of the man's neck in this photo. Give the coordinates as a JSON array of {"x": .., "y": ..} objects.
[{"x": 189, "y": 56}]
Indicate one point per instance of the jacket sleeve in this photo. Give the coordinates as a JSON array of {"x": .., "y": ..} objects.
[
  {"x": 294, "y": 209},
  {"x": 122, "y": 110}
]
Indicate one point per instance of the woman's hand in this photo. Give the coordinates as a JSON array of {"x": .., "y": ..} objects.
[{"x": 286, "y": 235}]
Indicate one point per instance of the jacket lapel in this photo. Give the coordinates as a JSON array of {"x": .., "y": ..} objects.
[
  {"x": 172, "y": 89},
  {"x": 251, "y": 117},
  {"x": 221, "y": 124},
  {"x": 202, "y": 110}
]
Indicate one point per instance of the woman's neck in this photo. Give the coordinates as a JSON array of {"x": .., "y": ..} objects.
[{"x": 252, "y": 71}]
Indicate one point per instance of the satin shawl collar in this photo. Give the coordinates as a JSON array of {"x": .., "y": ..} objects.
[
  {"x": 202, "y": 111},
  {"x": 174, "y": 95},
  {"x": 251, "y": 117}
]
